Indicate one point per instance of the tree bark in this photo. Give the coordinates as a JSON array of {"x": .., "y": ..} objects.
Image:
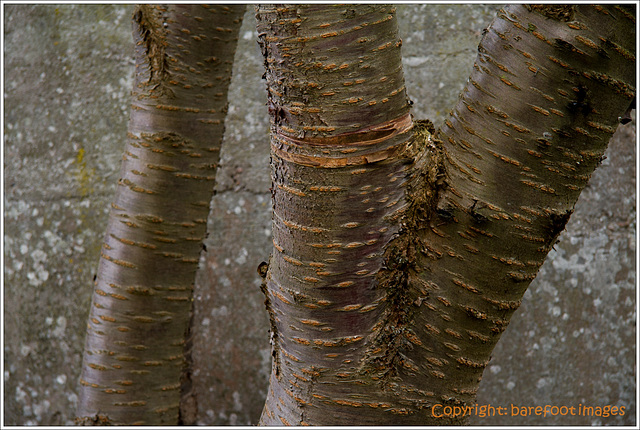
[
  {"x": 135, "y": 363},
  {"x": 399, "y": 256}
]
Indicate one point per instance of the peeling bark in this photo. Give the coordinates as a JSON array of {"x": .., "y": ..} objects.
[
  {"x": 400, "y": 254},
  {"x": 136, "y": 358}
]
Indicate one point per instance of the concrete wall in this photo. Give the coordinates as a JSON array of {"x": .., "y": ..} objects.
[{"x": 68, "y": 72}]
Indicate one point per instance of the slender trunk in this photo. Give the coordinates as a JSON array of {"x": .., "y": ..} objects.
[
  {"x": 134, "y": 355},
  {"x": 399, "y": 259}
]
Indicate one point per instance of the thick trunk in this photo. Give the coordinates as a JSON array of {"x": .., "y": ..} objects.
[
  {"x": 134, "y": 355},
  {"x": 546, "y": 93},
  {"x": 399, "y": 259}
]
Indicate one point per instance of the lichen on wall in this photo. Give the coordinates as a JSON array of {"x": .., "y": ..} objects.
[{"x": 67, "y": 81}]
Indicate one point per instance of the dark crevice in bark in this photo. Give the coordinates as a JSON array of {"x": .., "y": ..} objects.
[
  {"x": 398, "y": 276},
  {"x": 385, "y": 354},
  {"x": 263, "y": 271},
  {"x": 559, "y": 12},
  {"x": 428, "y": 176},
  {"x": 626, "y": 116},
  {"x": 557, "y": 222},
  {"x": 154, "y": 38}
]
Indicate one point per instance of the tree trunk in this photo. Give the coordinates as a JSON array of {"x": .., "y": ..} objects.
[
  {"x": 399, "y": 256},
  {"x": 135, "y": 361}
]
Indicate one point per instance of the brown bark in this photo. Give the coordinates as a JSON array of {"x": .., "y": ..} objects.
[
  {"x": 135, "y": 362},
  {"x": 399, "y": 259},
  {"x": 530, "y": 128}
]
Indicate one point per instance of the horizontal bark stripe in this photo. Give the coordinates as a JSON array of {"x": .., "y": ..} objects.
[{"x": 349, "y": 149}]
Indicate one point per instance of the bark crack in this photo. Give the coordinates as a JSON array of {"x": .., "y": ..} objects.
[
  {"x": 558, "y": 12},
  {"x": 398, "y": 276},
  {"x": 153, "y": 37},
  {"x": 263, "y": 271}
]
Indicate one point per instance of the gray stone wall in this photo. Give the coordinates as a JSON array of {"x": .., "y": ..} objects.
[{"x": 68, "y": 73}]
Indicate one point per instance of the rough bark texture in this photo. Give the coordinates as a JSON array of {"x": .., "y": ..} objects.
[
  {"x": 339, "y": 126},
  {"x": 137, "y": 347},
  {"x": 398, "y": 260}
]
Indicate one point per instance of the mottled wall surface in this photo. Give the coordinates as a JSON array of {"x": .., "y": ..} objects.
[
  {"x": 573, "y": 341},
  {"x": 68, "y": 74},
  {"x": 68, "y": 71},
  {"x": 231, "y": 350}
]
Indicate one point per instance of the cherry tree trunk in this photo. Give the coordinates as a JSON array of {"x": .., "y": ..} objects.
[
  {"x": 401, "y": 253},
  {"x": 136, "y": 358}
]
